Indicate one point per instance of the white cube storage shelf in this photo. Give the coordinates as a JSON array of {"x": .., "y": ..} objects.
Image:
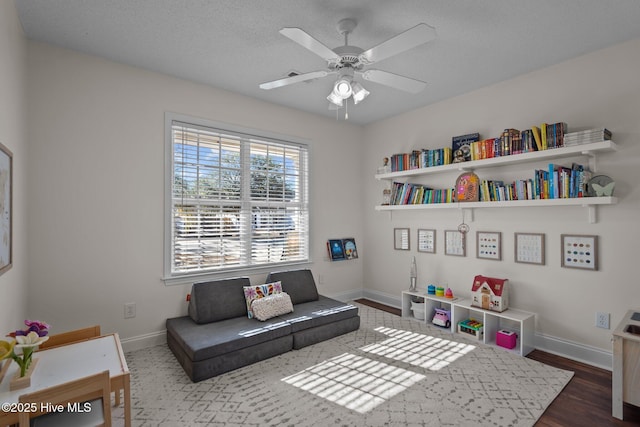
[{"x": 518, "y": 321}]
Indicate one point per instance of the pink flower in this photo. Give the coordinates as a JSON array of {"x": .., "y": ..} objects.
[
  {"x": 250, "y": 292},
  {"x": 36, "y": 326}
]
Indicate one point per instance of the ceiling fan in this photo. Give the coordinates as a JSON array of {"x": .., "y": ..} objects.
[{"x": 347, "y": 62}]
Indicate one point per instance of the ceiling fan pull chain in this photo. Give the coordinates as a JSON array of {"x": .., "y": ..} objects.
[{"x": 346, "y": 109}]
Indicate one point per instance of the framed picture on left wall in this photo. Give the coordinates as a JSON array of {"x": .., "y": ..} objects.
[{"x": 6, "y": 208}]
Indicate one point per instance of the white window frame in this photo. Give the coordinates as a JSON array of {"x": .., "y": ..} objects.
[{"x": 171, "y": 277}]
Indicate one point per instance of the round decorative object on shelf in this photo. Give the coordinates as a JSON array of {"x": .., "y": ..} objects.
[
  {"x": 467, "y": 187},
  {"x": 600, "y": 185}
]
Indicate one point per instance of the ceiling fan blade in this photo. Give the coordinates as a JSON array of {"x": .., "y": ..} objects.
[
  {"x": 305, "y": 40},
  {"x": 294, "y": 79},
  {"x": 394, "y": 80},
  {"x": 420, "y": 34}
]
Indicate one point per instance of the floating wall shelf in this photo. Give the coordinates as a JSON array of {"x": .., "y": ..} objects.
[{"x": 589, "y": 150}]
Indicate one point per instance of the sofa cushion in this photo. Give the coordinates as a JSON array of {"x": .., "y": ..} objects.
[
  {"x": 271, "y": 306},
  {"x": 201, "y": 342},
  {"x": 317, "y": 313},
  {"x": 218, "y": 300},
  {"x": 254, "y": 292},
  {"x": 299, "y": 284}
]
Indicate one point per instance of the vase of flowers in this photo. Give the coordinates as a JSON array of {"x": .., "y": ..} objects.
[{"x": 26, "y": 341}]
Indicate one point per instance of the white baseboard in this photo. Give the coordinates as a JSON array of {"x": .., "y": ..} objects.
[
  {"x": 382, "y": 298},
  {"x": 144, "y": 341},
  {"x": 575, "y": 351},
  {"x": 571, "y": 350},
  {"x": 347, "y": 295}
]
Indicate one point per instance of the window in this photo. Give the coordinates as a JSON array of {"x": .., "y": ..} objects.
[{"x": 237, "y": 200}]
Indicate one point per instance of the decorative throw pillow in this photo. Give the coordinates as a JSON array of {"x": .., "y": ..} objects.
[
  {"x": 271, "y": 306},
  {"x": 255, "y": 292}
]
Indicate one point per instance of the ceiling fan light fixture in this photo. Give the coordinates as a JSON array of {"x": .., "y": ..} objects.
[
  {"x": 342, "y": 88},
  {"x": 334, "y": 98},
  {"x": 359, "y": 92}
]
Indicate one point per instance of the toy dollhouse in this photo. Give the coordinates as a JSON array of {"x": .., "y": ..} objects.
[{"x": 490, "y": 293}]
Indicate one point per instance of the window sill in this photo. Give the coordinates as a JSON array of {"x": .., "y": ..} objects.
[{"x": 190, "y": 278}]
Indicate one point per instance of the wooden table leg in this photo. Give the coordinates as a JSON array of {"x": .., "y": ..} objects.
[
  {"x": 617, "y": 405},
  {"x": 127, "y": 401}
]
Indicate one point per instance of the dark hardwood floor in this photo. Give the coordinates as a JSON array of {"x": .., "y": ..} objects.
[{"x": 584, "y": 402}]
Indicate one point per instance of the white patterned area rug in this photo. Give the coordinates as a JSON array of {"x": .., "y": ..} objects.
[{"x": 391, "y": 372}]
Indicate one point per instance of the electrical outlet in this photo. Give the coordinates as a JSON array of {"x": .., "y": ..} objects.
[
  {"x": 130, "y": 310},
  {"x": 602, "y": 320}
]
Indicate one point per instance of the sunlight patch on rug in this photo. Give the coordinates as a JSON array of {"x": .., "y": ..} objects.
[
  {"x": 355, "y": 382},
  {"x": 416, "y": 349}
]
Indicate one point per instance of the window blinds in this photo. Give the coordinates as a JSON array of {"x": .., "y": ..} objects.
[{"x": 237, "y": 200}]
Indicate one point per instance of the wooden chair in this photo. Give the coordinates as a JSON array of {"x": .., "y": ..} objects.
[
  {"x": 93, "y": 390},
  {"x": 65, "y": 338}
]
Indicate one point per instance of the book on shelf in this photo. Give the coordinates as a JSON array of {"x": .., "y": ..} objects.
[
  {"x": 461, "y": 146},
  {"x": 435, "y": 157},
  {"x": 552, "y": 135},
  {"x": 537, "y": 138},
  {"x": 350, "y": 250},
  {"x": 336, "y": 250},
  {"x": 587, "y": 136},
  {"x": 555, "y": 182},
  {"x": 418, "y": 194},
  {"x": 485, "y": 149},
  {"x": 417, "y": 159},
  {"x": 511, "y": 141},
  {"x": 342, "y": 249}
]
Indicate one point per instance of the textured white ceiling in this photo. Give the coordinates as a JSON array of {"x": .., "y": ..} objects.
[{"x": 235, "y": 44}]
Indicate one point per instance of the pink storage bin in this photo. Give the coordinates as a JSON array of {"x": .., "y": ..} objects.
[{"x": 506, "y": 339}]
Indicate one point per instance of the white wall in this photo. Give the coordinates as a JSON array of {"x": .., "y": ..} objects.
[
  {"x": 96, "y": 194},
  {"x": 596, "y": 90},
  {"x": 13, "y": 57}
]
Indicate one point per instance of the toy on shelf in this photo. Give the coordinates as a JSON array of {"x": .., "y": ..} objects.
[
  {"x": 439, "y": 291},
  {"x": 442, "y": 318},
  {"x": 471, "y": 327},
  {"x": 506, "y": 339},
  {"x": 448, "y": 293},
  {"x": 431, "y": 290},
  {"x": 490, "y": 293}
]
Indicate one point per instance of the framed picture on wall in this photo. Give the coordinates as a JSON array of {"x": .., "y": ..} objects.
[
  {"x": 579, "y": 251},
  {"x": 529, "y": 248},
  {"x": 6, "y": 209},
  {"x": 427, "y": 241},
  {"x": 454, "y": 243},
  {"x": 488, "y": 245},
  {"x": 401, "y": 239}
]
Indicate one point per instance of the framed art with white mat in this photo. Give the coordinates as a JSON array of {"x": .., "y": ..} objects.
[
  {"x": 489, "y": 245},
  {"x": 579, "y": 251},
  {"x": 529, "y": 248},
  {"x": 6, "y": 208},
  {"x": 427, "y": 241},
  {"x": 401, "y": 239},
  {"x": 454, "y": 243}
]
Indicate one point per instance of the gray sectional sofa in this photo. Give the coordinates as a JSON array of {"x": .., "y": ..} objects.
[{"x": 217, "y": 336}]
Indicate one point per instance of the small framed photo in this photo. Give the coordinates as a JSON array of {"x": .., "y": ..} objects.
[
  {"x": 6, "y": 208},
  {"x": 488, "y": 245},
  {"x": 579, "y": 251},
  {"x": 401, "y": 239},
  {"x": 427, "y": 241},
  {"x": 454, "y": 243},
  {"x": 529, "y": 248}
]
